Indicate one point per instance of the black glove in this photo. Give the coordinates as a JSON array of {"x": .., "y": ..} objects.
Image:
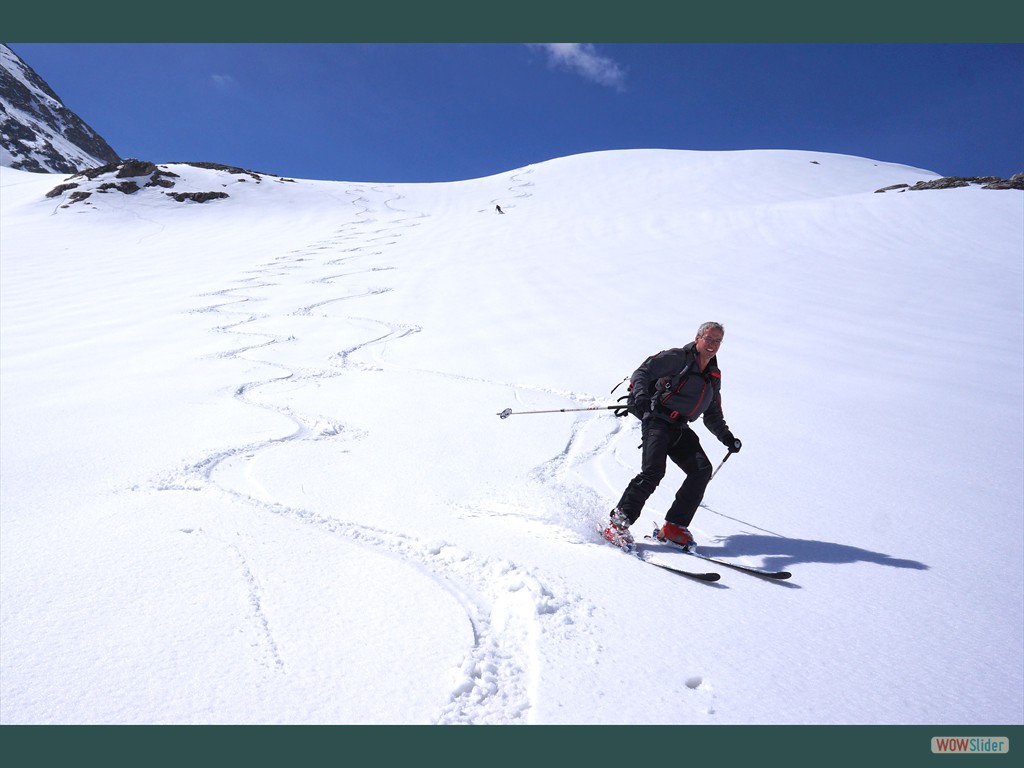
[
  {"x": 645, "y": 407},
  {"x": 732, "y": 443}
]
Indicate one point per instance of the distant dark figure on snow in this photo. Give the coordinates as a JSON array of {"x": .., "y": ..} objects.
[
  {"x": 669, "y": 390},
  {"x": 498, "y": 209}
]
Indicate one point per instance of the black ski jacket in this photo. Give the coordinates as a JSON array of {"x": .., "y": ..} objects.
[{"x": 670, "y": 386}]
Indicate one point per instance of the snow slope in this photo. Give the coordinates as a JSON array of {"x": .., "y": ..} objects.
[{"x": 252, "y": 470}]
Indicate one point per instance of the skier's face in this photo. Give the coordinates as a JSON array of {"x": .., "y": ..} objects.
[{"x": 708, "y": 344}]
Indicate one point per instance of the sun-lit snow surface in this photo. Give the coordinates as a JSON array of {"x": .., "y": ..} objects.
[{"x": 252, "y": 469}]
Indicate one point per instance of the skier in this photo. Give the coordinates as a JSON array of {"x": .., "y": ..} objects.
[
  {"x": 669, "y": 390},
  {"x": 498, "y": 209}
]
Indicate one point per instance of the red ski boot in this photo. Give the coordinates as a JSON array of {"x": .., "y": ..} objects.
[
  {"x": 678, "y": 534},
  {"x": 617, "y": 531}
]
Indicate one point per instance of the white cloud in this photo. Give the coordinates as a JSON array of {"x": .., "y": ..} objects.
[
  {"x": 584, "y": 59},
  {"x": 223, "y": 82}
]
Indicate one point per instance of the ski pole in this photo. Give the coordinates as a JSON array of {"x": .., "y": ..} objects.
[
  {"x": 720, "y": 466},
  {"x": 509, "y": 412}
]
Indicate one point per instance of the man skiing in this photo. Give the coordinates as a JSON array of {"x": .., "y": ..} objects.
[{"x": 667, "y": 392}]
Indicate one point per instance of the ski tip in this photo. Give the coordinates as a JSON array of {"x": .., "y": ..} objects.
[{"x": 707, "y": 577}]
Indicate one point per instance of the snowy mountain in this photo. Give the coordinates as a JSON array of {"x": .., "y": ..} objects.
[
  {"x": 37, "y": 132},
  {"x": 252, "y": 469}
]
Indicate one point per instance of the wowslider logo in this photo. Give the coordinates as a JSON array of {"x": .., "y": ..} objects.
[{"x": 970, "y": 745}]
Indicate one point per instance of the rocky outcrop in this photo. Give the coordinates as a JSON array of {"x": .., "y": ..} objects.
[
  {"x": 130, "y": 176},
  {"x": 951, "y": 182}
]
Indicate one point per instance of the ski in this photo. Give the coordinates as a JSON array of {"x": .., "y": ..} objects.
[
  {"x": 773, "y": 575},
  {"x": 634, "y": 550},
  {"x": 708, "y": 577}
]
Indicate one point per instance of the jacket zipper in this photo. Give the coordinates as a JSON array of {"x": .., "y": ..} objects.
[{"x": 700, "y": 400}]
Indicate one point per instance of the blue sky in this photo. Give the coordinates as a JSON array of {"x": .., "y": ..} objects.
[{"x": 413, "y": 112}]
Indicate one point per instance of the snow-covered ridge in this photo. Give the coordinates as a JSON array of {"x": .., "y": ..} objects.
[{"x": 200, "y": 182}]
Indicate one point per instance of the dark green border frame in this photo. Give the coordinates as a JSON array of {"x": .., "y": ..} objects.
[
  {"x": 495, "y": 746},
  {"x": 594, "y": 21}
]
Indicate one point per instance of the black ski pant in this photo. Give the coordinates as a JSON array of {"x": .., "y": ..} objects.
[{"x": 662, "y": 441}]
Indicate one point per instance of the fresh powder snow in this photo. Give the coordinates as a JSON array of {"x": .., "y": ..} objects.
[{"x": 253, "y": 471}]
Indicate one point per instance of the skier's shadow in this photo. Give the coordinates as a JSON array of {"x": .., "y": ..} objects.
[{"x": 781, "y": 553}]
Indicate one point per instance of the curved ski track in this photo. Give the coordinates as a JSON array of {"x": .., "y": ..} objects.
[{"x": 507, "y": 606}]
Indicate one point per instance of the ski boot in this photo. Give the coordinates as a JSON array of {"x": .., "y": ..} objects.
[
  {"x": 617, "y": 531},
  {"x": 677, "y": 534}
]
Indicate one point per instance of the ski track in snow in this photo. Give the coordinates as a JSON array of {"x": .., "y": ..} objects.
[
  {"x": 257, "y": 630},
  {"x": 507, "y": 606}
]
